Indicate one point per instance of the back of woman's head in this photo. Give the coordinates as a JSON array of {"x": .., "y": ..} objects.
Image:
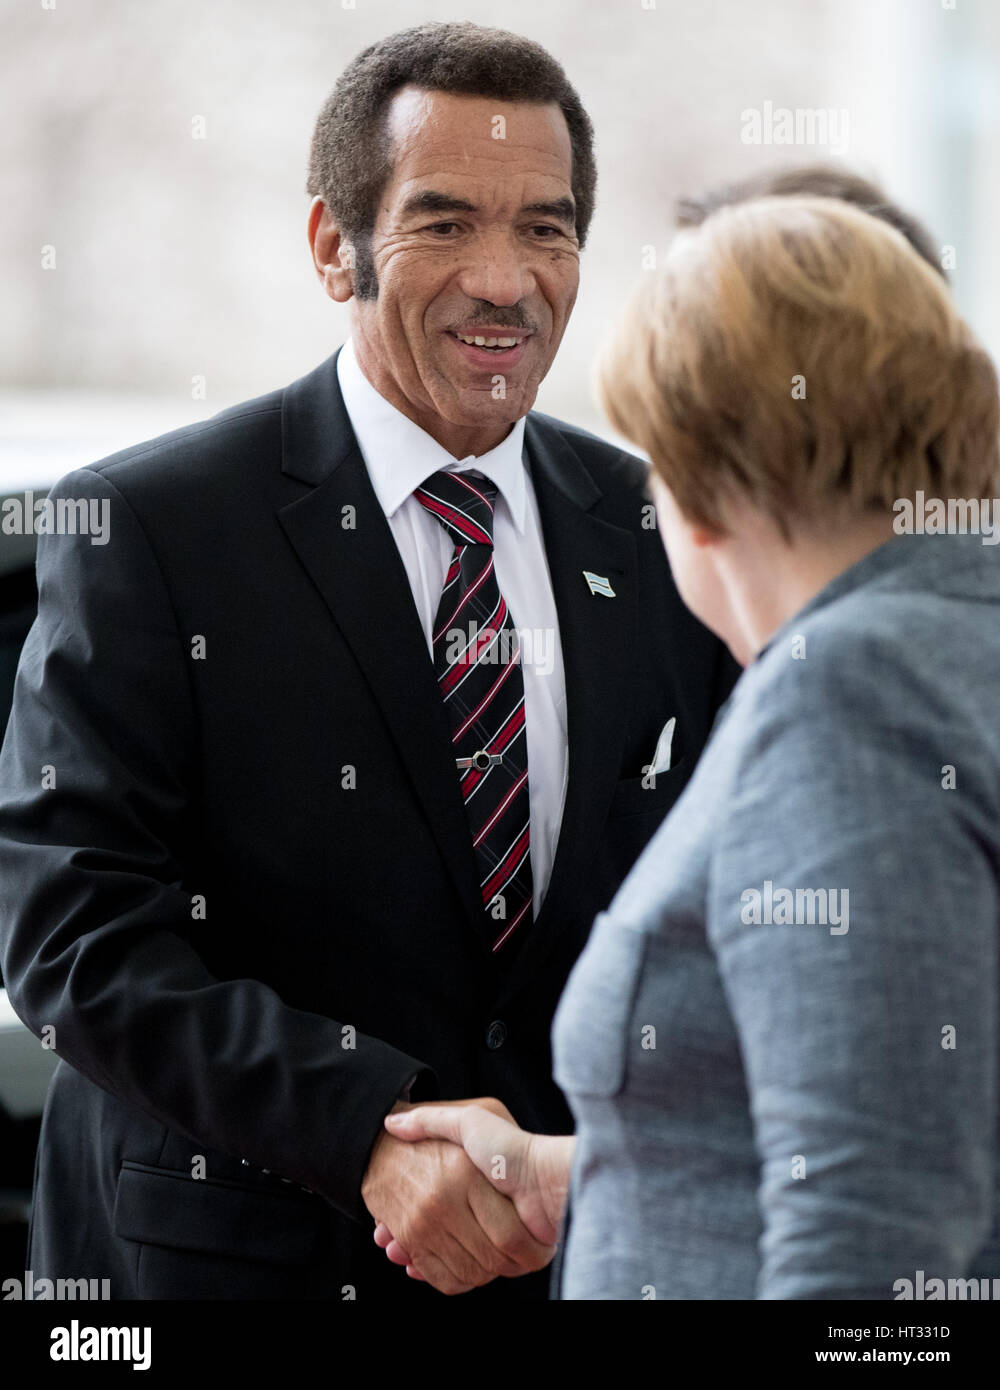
[{"x": 796, "y": 352}]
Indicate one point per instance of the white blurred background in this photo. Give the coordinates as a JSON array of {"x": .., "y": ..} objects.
[{"x": 181, "y": 261}]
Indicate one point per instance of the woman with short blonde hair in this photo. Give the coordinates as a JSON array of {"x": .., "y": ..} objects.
[{"x": 796, "y": 352}]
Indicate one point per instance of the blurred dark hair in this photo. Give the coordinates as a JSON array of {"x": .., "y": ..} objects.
[{"x": 822, "y": 181}]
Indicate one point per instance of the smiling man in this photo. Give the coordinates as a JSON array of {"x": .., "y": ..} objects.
[
  {"x": 295, "y": 824},
  {"x": 466, "y": 281}
]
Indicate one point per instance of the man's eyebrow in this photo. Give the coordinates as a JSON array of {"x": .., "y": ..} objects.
[
  {"x": 562, "y": 209},
  {"x": 430, "y": 201}
]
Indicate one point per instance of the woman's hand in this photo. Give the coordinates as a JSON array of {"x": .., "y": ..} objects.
[{"x": 531, "y": 1169}]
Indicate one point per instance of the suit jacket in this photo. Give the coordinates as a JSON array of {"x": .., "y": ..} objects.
[
  {"x": 237, "y": 885},
  {"x": 812, "y": 934}
]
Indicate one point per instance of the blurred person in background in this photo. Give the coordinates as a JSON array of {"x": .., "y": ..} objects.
[{"x": 821, "y": 181}]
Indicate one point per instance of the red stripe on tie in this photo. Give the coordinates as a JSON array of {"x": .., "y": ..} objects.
[
  {"x": 467, "y": 482},
  {"x": 463, "y": 524},
  {"x": 487, "y": 698},
  {"x": 503, "y": 937},
  {"x": 515, "y": 854},
  {"x": 459, "y": 669},
  {"x": 465, "y": 598},
  {"x": 502, "y": 807},
  {"x": 509, "y": 731}
]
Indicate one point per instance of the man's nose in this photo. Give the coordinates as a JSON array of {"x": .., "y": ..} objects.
[{"x": 499, "y": 272}]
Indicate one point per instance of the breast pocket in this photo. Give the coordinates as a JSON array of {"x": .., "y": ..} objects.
[
  {"x": 635, "y": 796},
  {"x": 592, "y": 1032}
]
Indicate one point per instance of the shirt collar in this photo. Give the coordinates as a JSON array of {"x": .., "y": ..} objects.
[{"x": 399, "y": 455}]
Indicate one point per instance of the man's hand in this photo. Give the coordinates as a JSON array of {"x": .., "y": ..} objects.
[
  {"x": 533, "y": 1170},
  {"x": 447, "y": 1223}
]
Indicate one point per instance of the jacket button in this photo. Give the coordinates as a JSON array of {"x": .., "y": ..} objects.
[{"x": 496, "y": 1034}]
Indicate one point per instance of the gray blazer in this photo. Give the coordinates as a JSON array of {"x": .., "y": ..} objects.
[{"x": 780, "y": 1043}]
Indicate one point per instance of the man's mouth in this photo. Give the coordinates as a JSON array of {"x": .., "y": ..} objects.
[
  {"x": 493, "y": 341},
  {"x": 492, "y": 348}
]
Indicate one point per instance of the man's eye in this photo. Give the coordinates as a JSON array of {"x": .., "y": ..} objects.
[
  {"x": 545, "y": 233},
  {"x": 443, "y": 228}
]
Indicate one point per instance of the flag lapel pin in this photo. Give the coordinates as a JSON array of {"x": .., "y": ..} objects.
[{"x": 598, "y": 584}]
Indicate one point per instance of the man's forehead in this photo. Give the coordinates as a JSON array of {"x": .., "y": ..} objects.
[{"x": 440, "y": 131}]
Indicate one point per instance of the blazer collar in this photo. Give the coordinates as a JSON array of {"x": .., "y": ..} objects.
[{"x": 316, "y": 436}]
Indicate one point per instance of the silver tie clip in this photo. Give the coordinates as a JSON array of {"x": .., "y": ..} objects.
[{"x": 480, "y": 761}]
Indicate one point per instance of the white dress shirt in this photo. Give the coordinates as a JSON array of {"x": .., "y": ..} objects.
[{"x": 399, "y": 456}]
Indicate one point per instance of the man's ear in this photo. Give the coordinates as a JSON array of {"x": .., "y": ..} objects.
[{"x": 333, "y": 256}]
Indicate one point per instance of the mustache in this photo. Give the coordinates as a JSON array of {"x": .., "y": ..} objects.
[{"x": 489, "y": 315}]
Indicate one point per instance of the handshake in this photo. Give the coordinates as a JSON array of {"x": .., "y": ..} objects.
[{"x": 460, "y": 1194}]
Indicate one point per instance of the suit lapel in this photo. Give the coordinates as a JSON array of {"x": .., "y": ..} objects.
[
  {"x": 358, "y": 571},
  {"x": 597, "y": 636},
  {"x": 361, "y": 577}
]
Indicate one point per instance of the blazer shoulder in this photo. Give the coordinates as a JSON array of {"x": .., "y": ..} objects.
[
  {"x": 875, "y": 660},
  {"x": 199, "y": 451},
  {"x": 610, "y": 466}
]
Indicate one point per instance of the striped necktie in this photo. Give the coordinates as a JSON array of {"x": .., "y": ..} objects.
[{"x": 477, "y": 658}]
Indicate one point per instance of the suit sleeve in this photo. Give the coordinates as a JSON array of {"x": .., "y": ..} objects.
[
  {"x": 868, "y": 1027},
  {"x": 96, "y": 932}
]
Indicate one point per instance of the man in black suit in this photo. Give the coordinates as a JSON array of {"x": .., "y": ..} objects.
[{"x": 275, "y": 854}]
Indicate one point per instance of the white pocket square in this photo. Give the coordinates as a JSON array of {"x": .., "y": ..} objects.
[{"x": 661, "y": 758}]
